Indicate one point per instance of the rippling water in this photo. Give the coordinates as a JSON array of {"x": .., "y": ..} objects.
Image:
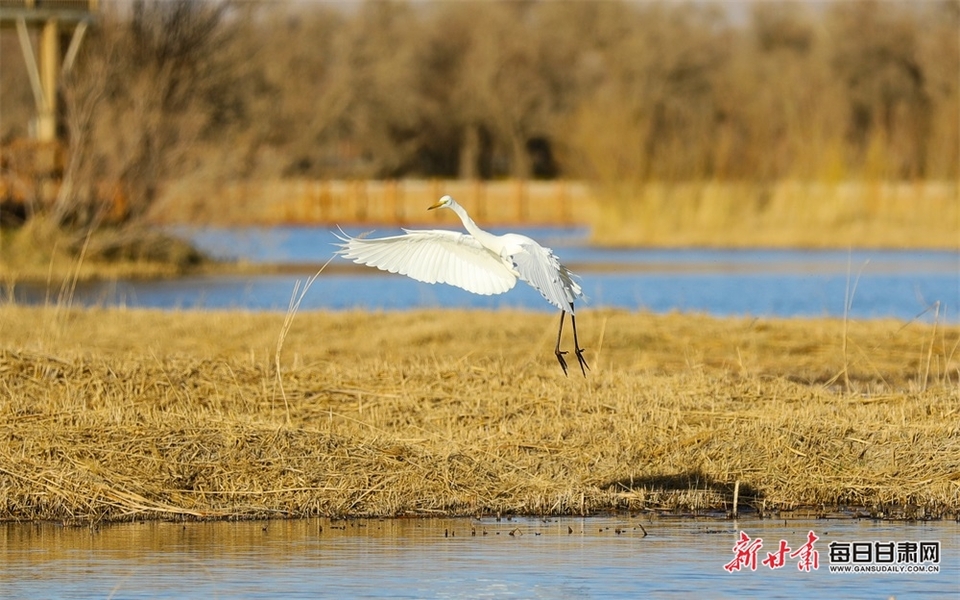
[{"x": 454, "y": 558}]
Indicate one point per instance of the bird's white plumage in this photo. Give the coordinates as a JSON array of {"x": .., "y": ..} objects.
[
  {"x": 480, "y": 262},
  {"x": 541, "y": 268},
  {"x": 434, "y": 257}
]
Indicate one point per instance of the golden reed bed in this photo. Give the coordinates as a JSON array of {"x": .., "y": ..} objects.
[
  {"x": 117, "y": 414},
  {"x": 779, "y": 214}
]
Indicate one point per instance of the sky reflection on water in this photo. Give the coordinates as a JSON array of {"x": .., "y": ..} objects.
[
  {"x": 905, "y": 285},
  {"x": 451, "y": 558}
]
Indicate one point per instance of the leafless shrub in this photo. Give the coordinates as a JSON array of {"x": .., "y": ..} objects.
[
  {"x": 614, "y": 91},
  {"x": 150, "y": 86}
]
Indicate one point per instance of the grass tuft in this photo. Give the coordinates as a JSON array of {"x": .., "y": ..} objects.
[{"x": 118, "y": 415}]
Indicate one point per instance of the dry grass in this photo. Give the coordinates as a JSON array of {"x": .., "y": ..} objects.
[
  {"x": 39, "y": 251},
  {"x": 115, "y": 414},
  {"x": 404, "y": 201},
  {"x": 704, "y": 214},
  {"x": 785, "y": 214},
  {"x": 781, "y": 214}
]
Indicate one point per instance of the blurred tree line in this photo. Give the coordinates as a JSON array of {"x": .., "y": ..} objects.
[{"x": 610, "y": 91}]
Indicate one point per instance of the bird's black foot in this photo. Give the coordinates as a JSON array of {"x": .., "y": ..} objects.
[
  {"x": 563, "y": 363},
  {"x": 584, "y": 367}
]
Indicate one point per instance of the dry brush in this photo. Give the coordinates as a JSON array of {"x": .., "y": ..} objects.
[{"x": 113, "y": 414}]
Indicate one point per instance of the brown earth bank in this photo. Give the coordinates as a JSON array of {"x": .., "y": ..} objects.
[{"x": 115, "y": 414}]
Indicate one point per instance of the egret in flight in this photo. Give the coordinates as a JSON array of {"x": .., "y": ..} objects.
[{"x": 478, "y": 261}]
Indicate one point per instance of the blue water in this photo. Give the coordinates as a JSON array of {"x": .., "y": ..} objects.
[
  {"x": 905, "y": 285},
  {"x": 314, "y": 245},
  {"x": 457, "y": 558}
]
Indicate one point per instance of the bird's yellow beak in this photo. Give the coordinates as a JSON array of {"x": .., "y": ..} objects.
[{"x": 437, "y": 205}]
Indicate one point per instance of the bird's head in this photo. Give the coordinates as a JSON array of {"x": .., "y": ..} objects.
[{"x": 444, "y": 202}]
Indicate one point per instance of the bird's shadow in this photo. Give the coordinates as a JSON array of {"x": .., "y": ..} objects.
[{"x": 680, "y": 490}]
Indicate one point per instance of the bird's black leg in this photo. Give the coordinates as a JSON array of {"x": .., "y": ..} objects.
[
  {"x": 584, "y": 367},
  {"x": 563, "y": 363}
]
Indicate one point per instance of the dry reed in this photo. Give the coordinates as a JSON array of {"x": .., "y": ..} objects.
[
  {"x": 116, "y": 414},
  {"x": 784, "y": 214},
  {"x": 804, "y": 214},
  {"x": 40, "y": 251}
]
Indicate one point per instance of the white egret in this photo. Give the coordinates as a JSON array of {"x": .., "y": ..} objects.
[{"x": 479, "y": 262}]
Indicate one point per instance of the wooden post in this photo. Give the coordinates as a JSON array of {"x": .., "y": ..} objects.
[
  {"x": 736, "y": 497},
  {"x": 49, "y": 72},
  {"x": 46, "y": 64}
]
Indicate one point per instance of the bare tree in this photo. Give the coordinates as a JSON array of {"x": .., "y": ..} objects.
[
  {"x": 938, "y": 51},
  {"x": 656, "y": 101},
  {"x": 148, "y": 88},
  {"x": 216, "y": 90},
  {"x": 292, "y": 107},
  {"x": 376, "y": 76},
  {"x": 875, "y": 55}
]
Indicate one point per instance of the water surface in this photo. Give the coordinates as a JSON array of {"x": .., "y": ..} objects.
[
  {"x": 905, "y": 285},
  {"x": 454, "y": 558}
]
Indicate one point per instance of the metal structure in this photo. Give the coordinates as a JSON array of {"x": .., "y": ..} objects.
[{"x": 52, "y": 19}]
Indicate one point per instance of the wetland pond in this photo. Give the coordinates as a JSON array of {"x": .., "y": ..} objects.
[
  {"x": 612, "y": 556},
  {"x": 900, "y": 284},
  {"x": 606, "y": 556}
]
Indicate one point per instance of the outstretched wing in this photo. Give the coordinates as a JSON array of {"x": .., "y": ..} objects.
[
  {"x": 540, "y": 267},
  {"x": 433, "y": 256}
]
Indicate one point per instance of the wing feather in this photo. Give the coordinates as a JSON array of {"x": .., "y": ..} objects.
[
  {"x": 433, "y": 257},
  {"x": 541, "y": 268}
]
